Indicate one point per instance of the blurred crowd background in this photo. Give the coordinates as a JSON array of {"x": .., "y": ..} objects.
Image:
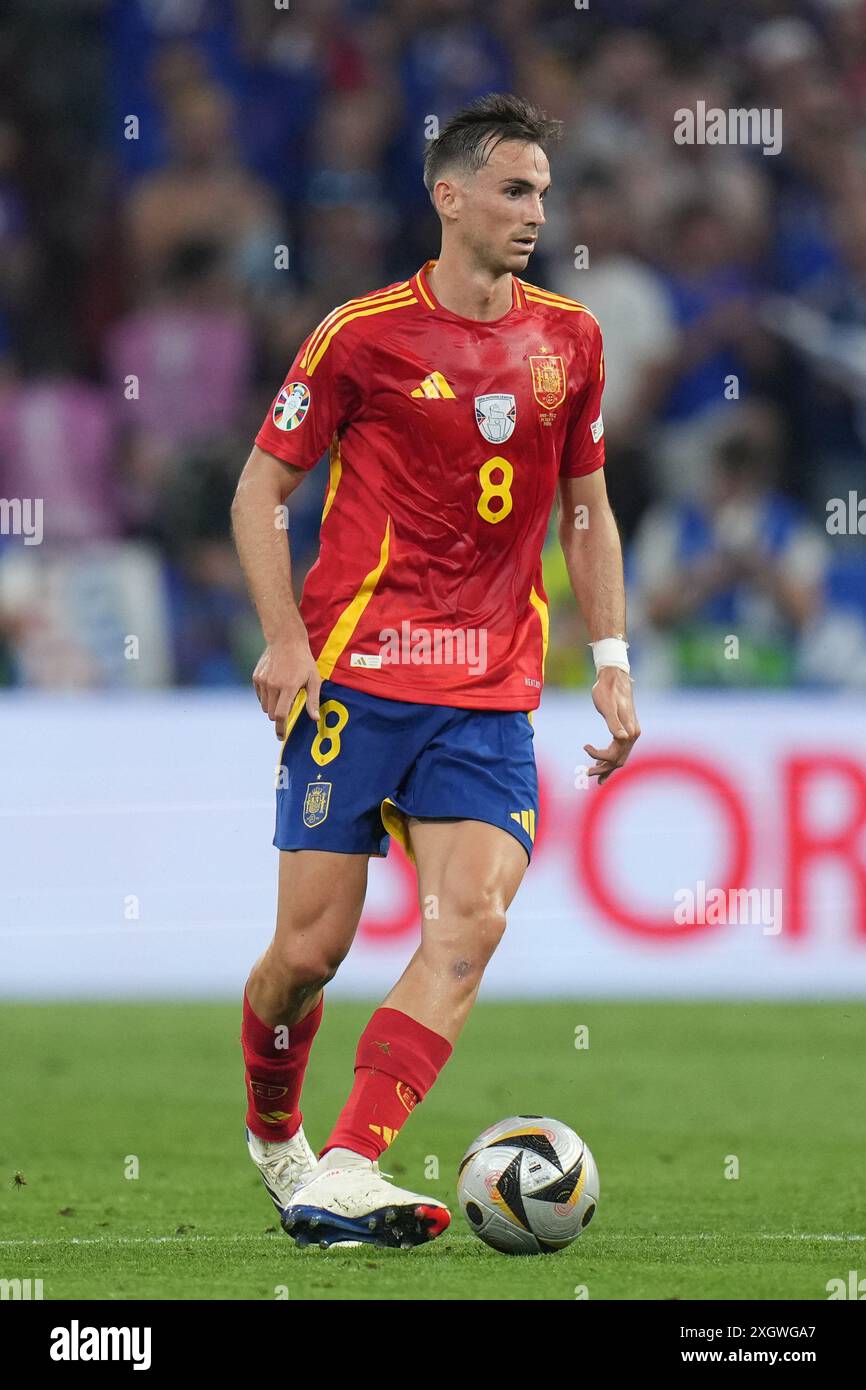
[{"x": 188, "y": 186}]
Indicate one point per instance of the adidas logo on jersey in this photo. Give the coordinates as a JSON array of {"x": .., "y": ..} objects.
[{"x": 435, "y": 388}]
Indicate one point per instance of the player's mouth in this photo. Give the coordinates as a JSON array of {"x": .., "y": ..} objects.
[{"x": 526, "y": 243}]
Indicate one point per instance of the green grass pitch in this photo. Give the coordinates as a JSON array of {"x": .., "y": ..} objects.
[{"x": 664, "y": 1094}]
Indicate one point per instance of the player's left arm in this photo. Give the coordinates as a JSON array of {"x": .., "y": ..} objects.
[
  {"x": 593, "y": 557},
  {"x": 590, "y": 542}
]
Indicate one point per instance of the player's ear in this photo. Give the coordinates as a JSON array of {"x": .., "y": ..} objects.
[{"x": 446, "y": 199}]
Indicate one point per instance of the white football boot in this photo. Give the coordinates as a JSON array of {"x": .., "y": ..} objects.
[
  {"x": 346, "y": 1200},
  {"x": 281, "y": 1164}
]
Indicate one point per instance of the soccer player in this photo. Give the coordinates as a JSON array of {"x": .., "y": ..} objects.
[{"x": 454, "y": 404}]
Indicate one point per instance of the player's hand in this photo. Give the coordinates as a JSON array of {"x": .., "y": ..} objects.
[
  {"x": 283, "y": 669},
  {"x": 612, "y": 697}
]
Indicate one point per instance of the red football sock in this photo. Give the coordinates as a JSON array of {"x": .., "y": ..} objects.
[
  {"x": 397, "y": 1061},
  {"x": 274, "y": 1074}
]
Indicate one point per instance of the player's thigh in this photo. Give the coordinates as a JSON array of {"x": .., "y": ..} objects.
[
  {"x": 319, "y": 904},
  {"x": 468, "y": 874}
]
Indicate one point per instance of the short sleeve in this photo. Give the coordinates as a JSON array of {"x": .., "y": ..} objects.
[
  {"x": 316, "y": 398},
  {"x": 584, "y": 443}
]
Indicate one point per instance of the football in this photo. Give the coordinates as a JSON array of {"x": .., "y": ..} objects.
[{"x": 528, "y": 1185}]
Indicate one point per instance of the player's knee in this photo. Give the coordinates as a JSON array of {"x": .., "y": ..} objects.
[
  {"x": 472, "y": 927},
  {"x": 314, "y": 970},
  {"x": 309, "y": 965}
]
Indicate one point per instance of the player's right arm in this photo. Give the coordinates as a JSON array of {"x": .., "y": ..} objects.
[
  {"x": 320, "y": 393},
  {"x": 261, "y": 538}
]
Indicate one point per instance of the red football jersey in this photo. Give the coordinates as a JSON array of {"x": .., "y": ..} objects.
[{"x": 446, "y": 438}]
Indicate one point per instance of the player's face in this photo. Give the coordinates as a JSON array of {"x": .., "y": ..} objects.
[{"x": 502, "y": 209}]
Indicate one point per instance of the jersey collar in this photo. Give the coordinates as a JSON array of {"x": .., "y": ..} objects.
[{"x": 426, "y": 295}]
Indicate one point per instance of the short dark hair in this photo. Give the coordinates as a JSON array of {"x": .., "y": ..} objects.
[{"x": 469, "y": 138}]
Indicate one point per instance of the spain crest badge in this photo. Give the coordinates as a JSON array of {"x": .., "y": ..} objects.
[{"x": 548, "y": 381}]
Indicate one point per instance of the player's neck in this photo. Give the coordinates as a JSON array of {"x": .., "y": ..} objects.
[{"x": 472, "y": 293}]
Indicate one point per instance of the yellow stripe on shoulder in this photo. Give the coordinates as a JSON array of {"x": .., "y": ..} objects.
[
  {"x": 536, "y": 295},
  {"x": 344, "y": 311},
  {"x": 352, "y": 304},
  {"x": 380, "y": 308},
  {"x": 551, "y": 294}
]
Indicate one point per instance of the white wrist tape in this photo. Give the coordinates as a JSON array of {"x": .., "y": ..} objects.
[{"x": 610, "y": 651}]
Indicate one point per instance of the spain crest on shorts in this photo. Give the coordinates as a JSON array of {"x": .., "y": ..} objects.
[
  {"x": 548, "y": 381},
  {"x": 316, "y": 803}
]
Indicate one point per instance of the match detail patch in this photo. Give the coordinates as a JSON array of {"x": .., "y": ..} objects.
[
  {"x": 597, "y": 429},
  {"x": 495, "y": 416}
]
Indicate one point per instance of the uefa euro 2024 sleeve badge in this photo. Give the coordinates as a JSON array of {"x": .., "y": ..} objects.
[
  {"x": 316, "y": 803},
  {"x": 495, "y": 416},
  {"x": 291, "y": 406}
]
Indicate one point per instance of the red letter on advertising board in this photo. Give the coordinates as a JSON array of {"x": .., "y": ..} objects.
[
  {"x": 808, "y": 845},
  {"x": 591, "y": 856}
]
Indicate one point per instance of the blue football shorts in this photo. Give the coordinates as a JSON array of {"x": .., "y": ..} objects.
[{"x": 349, "y": 783}]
